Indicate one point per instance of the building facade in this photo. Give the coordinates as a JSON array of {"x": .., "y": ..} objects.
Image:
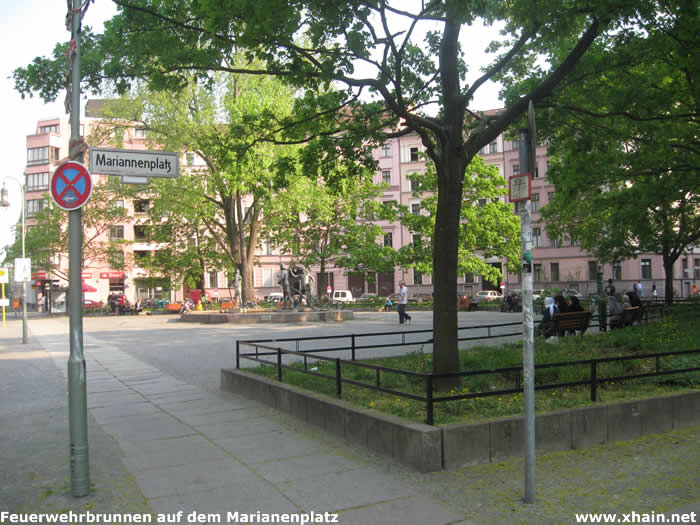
[{"x": 556, "y": 265}]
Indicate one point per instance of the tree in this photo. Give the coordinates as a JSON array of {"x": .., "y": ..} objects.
[
  {"x": 220, "y": 204},
  {"x": 412, "y": 70},
  {"x": 46, "y": 242},
  {"x": 318, "y": 223},
  {"x": 626, "y": 166},
  {"x": 487, "y": 228}
]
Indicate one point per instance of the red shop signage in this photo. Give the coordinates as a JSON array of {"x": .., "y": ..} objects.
[
  {"x": 39, "y": 275},
  {"x": 112, "y": 275}
]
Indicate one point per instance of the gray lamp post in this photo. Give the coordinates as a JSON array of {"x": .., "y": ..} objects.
[{"x": 5, "y": 203}]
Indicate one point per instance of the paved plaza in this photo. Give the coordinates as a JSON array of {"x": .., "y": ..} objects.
[{"x": 164, "y": 439}]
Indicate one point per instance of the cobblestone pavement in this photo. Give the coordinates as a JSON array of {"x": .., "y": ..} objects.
[{"x": 657, "y": 473}]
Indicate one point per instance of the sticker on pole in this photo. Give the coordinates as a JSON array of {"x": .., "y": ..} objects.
[{"x": 71, "y": 185}]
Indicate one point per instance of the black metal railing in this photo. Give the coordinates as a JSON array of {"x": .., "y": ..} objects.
[{"x": 303, "y": 349}]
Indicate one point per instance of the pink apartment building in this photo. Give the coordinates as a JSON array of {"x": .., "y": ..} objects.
[{"x": 555, "y": 265}]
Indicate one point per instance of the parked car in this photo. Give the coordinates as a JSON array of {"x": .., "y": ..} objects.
[
  {"x": 89, "y": 304},
  {"x": 488, "y": 295},
  {"x": 342, "y": 296},
  {"x": 275, "y": 297},
  {"x": 420, "y": 297},
  {"x": 368, "y": 296}
]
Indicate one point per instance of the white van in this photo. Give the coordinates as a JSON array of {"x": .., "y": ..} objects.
[
  {"x": 342, "y": 296},
  {"x": 275, "y": 297}
]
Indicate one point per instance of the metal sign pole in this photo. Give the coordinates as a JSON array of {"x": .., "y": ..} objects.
[
  {"x": 527, "y": 161},
  {"x": 77, "y": 391}
]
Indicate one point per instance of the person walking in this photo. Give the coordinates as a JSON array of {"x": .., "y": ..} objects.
[
  {"x": 638, "y": 288},
  {"x": 403, "y": 301}
]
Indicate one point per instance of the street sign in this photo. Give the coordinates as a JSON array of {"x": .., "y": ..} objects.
[
  {"x": 23, "y": 269},
  {"x": 4, "y": 275},
  {"x": 134, "y": 164},
  {"x": 71, "y": 185}
]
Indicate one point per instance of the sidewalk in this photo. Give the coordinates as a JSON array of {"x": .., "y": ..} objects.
[{"x": 160, "y": 445}]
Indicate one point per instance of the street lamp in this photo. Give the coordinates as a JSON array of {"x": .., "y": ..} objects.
[{"x": 5, "y": 203}]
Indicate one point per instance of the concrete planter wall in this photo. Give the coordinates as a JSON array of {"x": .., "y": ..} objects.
[{"x": 428, "y": 449}]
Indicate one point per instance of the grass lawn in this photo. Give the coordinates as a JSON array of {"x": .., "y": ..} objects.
[{"x": 679, "y": 330}]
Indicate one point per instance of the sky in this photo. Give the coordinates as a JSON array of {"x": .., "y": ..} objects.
[{"x": 31, "y": 28}]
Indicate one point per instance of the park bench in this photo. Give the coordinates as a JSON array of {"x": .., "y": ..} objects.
[
  {"x": 227, "y": 305},
  {"x": 629, "y": 316},
  {"x": 561, "y": 323}
]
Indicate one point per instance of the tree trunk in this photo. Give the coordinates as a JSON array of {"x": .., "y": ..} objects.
[
  {"x": 668, "y": 270},
  {"x": 445, "y": 339}
]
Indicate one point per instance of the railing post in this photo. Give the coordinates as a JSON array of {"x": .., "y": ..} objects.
[
  {"x": 658, "y": 363},
  {"x": 352, "y": 345},
  {"x": 429, "y": 398},
  {"x": 279, "y": 364},
  {"x": 238, "y": 354},
  {"x": 594, "y": 381},
  {"x": 306, "y": 365},
  {"x": 338, "y": 382},
  {"x": 378, "y": 380}
]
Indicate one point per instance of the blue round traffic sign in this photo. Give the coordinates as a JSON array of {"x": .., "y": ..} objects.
[{"x": 71, "y": 185}]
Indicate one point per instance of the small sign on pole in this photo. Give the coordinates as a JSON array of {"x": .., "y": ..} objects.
[
  {"x": 23, "y": 269},
  {"x": 71, "y": 185},
  {"x": 520, "y": 187}
]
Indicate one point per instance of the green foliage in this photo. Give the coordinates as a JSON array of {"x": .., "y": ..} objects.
[
  {"x": 487, "y": 229},
  {"x": 623, "y": 135},
  {"x": 677, "y": 330}
]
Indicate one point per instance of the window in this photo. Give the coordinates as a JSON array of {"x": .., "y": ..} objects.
[
  {"x": 140, "y": 133},
  {"x": 386, "y": 150},
  {"x": 550, "y": 196},
  {"x": 268, "y": 278},
  {"x": 469, "y": 278},
  {"x": 42, "y": 155},
  {"x": 592, "y": 270},
  {"x": 417, "y": 277},
  {"x": 516, "y": 169},
  {"x": 53, "y": 128},
  {"x": 140, "y": 256},
  {"x": 116, "y": 259},
  {"x": 617, "y": 271},
  {"x": 141, "y": 206},
  {"x": 493, "y": 146},
  {"x": 413, "y": 154},
  {"x": 555, "y": 243},
  {"x": 140, "y": 232},
  {"x": 538, "y": 273},
  {"x": 646, "y": 268},
  {"x": 386, "y": 176},
  {"x": 37, "y": 181},
  {"x": 415, "y": 208},
  {"x": 554, "y": 271},
  {"x": 414, "y": 184},
  {"x": 389, "y": 239},
  {"x": 266, "y": 247},
  {"x": 416, "y": 239},
  {"x": 685, "y": 274},
  {"x": 213, "y": 280},
  {"x": 35, "y": 206},
  {"x": 481, "y": 203},
  {"x": 536, "y": 173},
  {"x": 535, "y": 202},
  {"x": 116, "y": 232},
  {"x": 536, "y": 238},
  {"x": 696, "y": 269},
  {"x": 515, "y": 145}
]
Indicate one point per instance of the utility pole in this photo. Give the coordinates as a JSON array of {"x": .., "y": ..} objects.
[
  {"x": 528, "y": 163},
  {"x": 77, "y": 390}
]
